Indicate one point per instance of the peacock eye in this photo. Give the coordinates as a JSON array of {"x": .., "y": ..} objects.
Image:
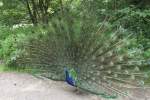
[
  {"x": 86, "y": 57},
  {"x": 130, "y": 62},
  {"x": 113, "y": 37},
  {"x": 137, "y": 68},
  {"x": 100, "y": 51},
  {"x": 104, "y": 77},
  {"x": 93, "y": 79},
  {"x": 111, "y": 63},
  {"x": 110, "y": 53},
  {"x": 120, "y": 58},
  {"x": 119, "y": 67},
  {"x": 109, "y": 71},
  {"x": 109, "y": 83},
  {"x": 84, "y": 78},
  {"x": 99, "y": 81},
  {"x": 93, "y": 65},
  {"x": 126, "y": 72},
  {"x": 139, "y": 63},
  {"x": 141, "y": 82},
  {"x": 101, "y": 67},
  {"x": 91, "y": 49},
  {"x": 91, "y": 72},
  {"x": 115, "y": 75},
  {"x": 98, "y": 73},
  {"x": 90, "y": 82},
  {"x": 146, "y": 75},
  {"x": 107, "y": 45},
  {"x": 133, "y": 77},
  {"x": 93, "y": 57},
  {"x": 88, "y": 76},
  {"x": 128, "y": 43},
  {"x": 118, "y": 49},
  {"x": 120, "y": 85},
  {"x": 102, "y": 59}
]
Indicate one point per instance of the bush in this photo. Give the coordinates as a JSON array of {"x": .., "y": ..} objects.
[{"x": 12, "y": 37}]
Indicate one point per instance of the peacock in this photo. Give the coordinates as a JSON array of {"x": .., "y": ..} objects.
[
  {"x": 71, "y": 77},
  {"x": 102, "y": 62}
]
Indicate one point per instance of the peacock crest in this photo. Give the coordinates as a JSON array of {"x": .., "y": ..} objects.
[{"x": 102, "y": 62}]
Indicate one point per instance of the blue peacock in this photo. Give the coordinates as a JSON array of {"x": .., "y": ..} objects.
[
  {"x": 101, "y": 63},
  {"x": 71, "y": 77}
]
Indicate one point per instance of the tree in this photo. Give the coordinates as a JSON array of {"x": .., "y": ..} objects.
[
  {"x": 12, "y": 12},
  {"x": 38, "y": 10}
]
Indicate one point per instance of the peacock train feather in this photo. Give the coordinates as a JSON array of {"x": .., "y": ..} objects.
[{"x": 102, "y": 62}]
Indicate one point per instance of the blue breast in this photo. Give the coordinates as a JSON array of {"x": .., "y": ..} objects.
[{"x": 69, "y": 79}]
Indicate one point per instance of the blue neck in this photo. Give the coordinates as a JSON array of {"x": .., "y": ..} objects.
[
  {"x": 66, "y": 73},
  {"x": 69, "y": 79}
]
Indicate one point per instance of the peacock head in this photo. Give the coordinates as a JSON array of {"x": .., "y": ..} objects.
[{"x": 66, "y": 70}]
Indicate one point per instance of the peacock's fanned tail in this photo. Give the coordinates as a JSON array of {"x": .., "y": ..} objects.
[{"x": 104, "y": 63}]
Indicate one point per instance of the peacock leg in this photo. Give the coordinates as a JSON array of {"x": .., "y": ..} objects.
[{"x": 78, "y": 91}]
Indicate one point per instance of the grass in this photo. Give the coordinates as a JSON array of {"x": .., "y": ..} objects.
[{"x": 2, "y": 68}]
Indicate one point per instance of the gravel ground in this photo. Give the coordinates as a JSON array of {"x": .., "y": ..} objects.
[{"x": 15, "y": 86}]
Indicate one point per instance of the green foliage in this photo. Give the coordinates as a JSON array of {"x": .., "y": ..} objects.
[
  {"x": 11, "y": 38},
  {"x": 135, "y": 20},
  {"x": 12, "y": 12}
]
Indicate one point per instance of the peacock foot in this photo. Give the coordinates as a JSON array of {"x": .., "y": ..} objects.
[{"x": 78, "y": 91}]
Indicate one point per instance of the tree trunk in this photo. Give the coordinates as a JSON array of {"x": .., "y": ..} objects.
[
  {"x": 30, "y": 12},
  {"x": 38, "y": 11}
]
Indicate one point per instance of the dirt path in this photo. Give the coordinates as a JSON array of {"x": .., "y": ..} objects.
[
  {"x": 26, "y": 87},
  {"x": 14, "y": 86}
]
